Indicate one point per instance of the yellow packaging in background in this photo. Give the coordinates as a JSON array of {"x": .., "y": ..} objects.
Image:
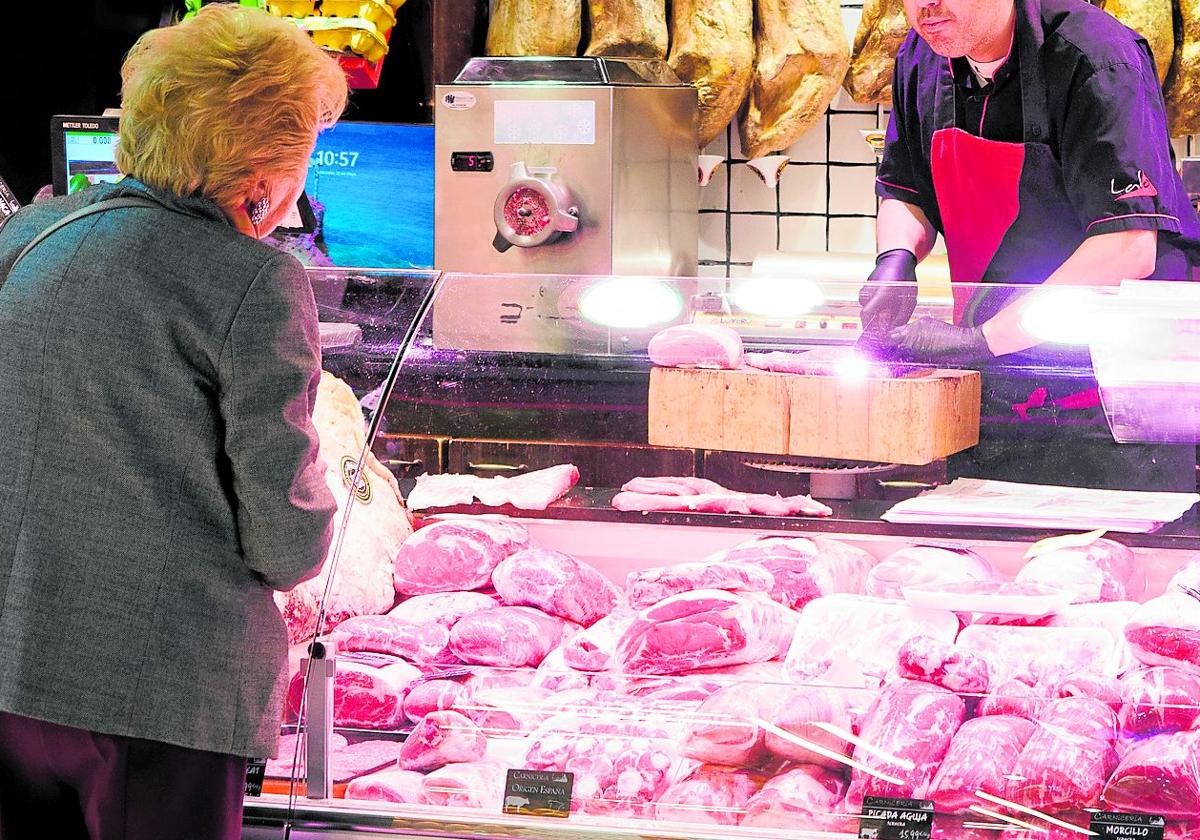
[{"x": 376, "y": 11}]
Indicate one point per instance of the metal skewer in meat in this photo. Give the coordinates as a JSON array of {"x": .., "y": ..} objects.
[
  {"x": 881, "y": 30},
  {"x": 712, "y": 47},
  {"x": 535, "y": 27},
  {"x": 628, "y": 28},
  {"x": 802, "y": 58},
  {"x": 1182, "y": 90}
]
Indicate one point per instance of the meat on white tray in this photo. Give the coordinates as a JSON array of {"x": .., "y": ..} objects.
[
  {"x": 1101, "y": 571},
  {"x": 1166, "y": 631},
  {"x": 925, "y": 565},
  {"x": 535, "y": 490}
]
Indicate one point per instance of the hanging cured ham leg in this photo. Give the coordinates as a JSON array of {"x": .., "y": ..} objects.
[
  {"x": 535, "y": 27},
  {"x": 1182, "y": 90},
  {"x": 628, "y": 28},
  {"x": 712, "y": 47},
  {"x": 881, "y": 30}
]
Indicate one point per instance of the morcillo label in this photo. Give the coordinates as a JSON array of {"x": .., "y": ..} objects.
[{"x": 1128, "y": 826}]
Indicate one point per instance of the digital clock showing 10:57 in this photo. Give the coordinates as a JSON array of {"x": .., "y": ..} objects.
[{"x": 328, "y": 157}]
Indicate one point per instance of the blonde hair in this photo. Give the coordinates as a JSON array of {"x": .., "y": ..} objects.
[{"x": 229, "y": 95}]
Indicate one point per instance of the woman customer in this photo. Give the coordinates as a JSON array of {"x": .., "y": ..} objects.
[{"x": 159, "y": 474}]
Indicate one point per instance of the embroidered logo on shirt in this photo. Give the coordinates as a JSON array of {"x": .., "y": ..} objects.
[{"x": 1142, "y": 189}]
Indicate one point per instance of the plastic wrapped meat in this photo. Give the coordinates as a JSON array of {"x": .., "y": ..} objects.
[
  {"x": 368, "y": 691},
  {"x": 903, "y": 739},
  {"x": 402, "y": 786},
  {"x": 476, "y": 784},
  {"x": 442, "y": 738},
  {"x": 447, "y": 556},
  {"x": 1111, "y": 616},
  {"x": 346, "y": 761},
  {"x": 723, "y": 730},
  {"x": 818, "y": 721},
  {"x": 507, "y": 636},
  {"x": 697, "y": 346},
  {"x": 707, "y": 628},
  {"x": 855, "y": 641},
  {"x": 281, "y": 766},
  {"x": 555, "y": 583},
  {"x": 1166, "y": 631},
  {"x": 1030, "y": 653},
  {"x": 1102, "y": 571},
  {"x": 444, "y": 608},
  {"x": 1160, "y": 775},
  {"x": 508, "y": 711},
  {"x": 1105, "y": 689},
  {"x": 1186, "y": 578},
  {"x": 933, "y": 661},
  {"x": 435, "y": 695},
  {"x": 535, "y": 490},
  {"x": 981, "y": 757},
  {"x": 926, "y": 564},
  {"x": 387, "y": 634},
  {"x": 1159, "y": 699},
  {"x": 1012, "y": 697},
  {"x": 1069, "y": 757},
  {"x": 804, "y": 796},
  {"x": 593, "y": 649},
  {"x": 804, "y": 568},
  {"x": 709, "y": 794},
  {"x": 647, "y": 587}
]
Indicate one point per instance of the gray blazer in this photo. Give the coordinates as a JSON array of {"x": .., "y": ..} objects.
[{"x": 159, "y": 475}]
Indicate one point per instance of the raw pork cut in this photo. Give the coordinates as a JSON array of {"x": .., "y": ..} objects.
[
  {"x": 904, "y": 735},
  {"x": 723, "y": 730},
  {"x": 403, "y": 786},
  {"x": 1030, "y": 653},
  {"x": 1186, "y": 578},
  {"x": 934, "y": 661},
  {"x": 555, "y": 583},
  {"x": 647, "y": 587},
  {"x": 444, "y": 608},
  {"x": 1012, "y": 697},
  {"x": 696, "y": 345},
  {"x": 1105, "y": 689},
  {"x": 1111, "y": 616},
  {"x": 981, "y": 757},
  {"x": 1166, "y": 631},
  {"x": 817, "y": 721},
  {"x": 368, "y": 690},
  {"x": 804, "y": 568},
  {"x": 925, "y": 565},
  {"x": 804, "y": 796},
  {"x": 281, "y": 765},
  {"x": 535, "y": 490},
  {"x": 387, "y": 634},
  {"x": 450, "y": 555},
  {"x": 1159, "y": 699},
  {"x": 508, "y": 711},
  {"x": 442, "y": 738},
  {"x": 727, "y": 501},
  {"x": 672, "y": 485},
  {"x": 346, "y": 761},
  {"x": 709, "y": 794},
  {"x": 434, "y": 695},
  {"x": 1160, "y": 775},
  {"x": 706, "y": 628},
  {"x": 1069, "y": 757},
  {"x": 476, "y": 784},
  {"x": 593, "y": 649},
  {"x": 1102, "y": 571},
  {"x": 508, "y": 636}
]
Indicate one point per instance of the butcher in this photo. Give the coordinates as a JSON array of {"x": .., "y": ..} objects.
[{"x": 1032, "y": 135}]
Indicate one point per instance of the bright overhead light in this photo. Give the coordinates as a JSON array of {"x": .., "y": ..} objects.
[
  {"x": 1065, "y": 315},
  {"x": 777, "y": 297},
  {"x": 630, "y": 303}
]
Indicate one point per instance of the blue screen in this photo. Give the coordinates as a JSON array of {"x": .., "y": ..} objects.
[{"x": 375, "y": 182}]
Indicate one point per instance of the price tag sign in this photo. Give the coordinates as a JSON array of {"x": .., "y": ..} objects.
[
  {"x": 256, "y": 771},
  {"x": 887, "y": 818},
  {"x": 1128, "y": 826},
  {"x": 538, "y": 793},
  {"x": 8, "y": 201}
]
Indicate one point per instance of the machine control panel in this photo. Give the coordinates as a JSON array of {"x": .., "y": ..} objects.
[{"x": 471, "y": 161}]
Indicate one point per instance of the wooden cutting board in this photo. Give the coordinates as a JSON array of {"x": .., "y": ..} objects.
[{"x": 895, "y": 421}]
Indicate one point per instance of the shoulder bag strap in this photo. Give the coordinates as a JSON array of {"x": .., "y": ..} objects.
[{"x": 98, "y": 207}]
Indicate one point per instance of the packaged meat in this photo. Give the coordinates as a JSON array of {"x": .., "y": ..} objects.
[
  {"x": 535, "y": 490},
  {"x": 804, "y": 568},
  {"x": 1186, "y": 578},
  {"x": 697, "y": 346},
  {"x": 281, "y": 766},
  {"x": 706, "y": 628},
  {"x": 555, "y": 583},
  {"x": 1158, "y": 700},
  {"x": 803, "y": 796},
  {"x": 442, "y": 738},
  {"x": 448, "y": 556},
  {"x": 368, "y": 690},
  {"x": 1070, "y": 756},
  {"x": 346, "y": 761},
  {"x": 434, "y": 695},
  {"x": 1105, "y": 689},
  {"x": 1029, "y": 653},
  {"x": 507, "y": 636},
  {"x": 933, "y": 661},
  {"x": 809, "y": 724},
  {"x": 444, "y": 608},
  {"x": 904, "y": 737},
  {"x": 855, "y": 641},
  {"x": 982, "y": 755},
  {"x": 1166, "y": 631},
  {"x": 1012, "y": 697},
  {"x": 593, "y": 649},
  {"x": 388, "y": 634},
  {"x": 1160, "y": 775},
  {"x": 927, "y": 564},
  {"x": 475, "y": 784},
  {"x": 726, "y": 501},
  {"x": 1101, "y": 571},
  {"x": 711, "y": 795},
  {"x": 724, "y": 729},
  {"x": 392, "y": 785},
  {"x": 507, "y": 711},
  {"x": 647, "y": 587},
  {"x": 1111, "y": 616},
  {"x": 996, "y": 602}
]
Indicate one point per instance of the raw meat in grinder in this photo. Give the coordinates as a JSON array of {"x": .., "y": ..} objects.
[
  {"x": 593, "y": 649},
  {"x": 556, "y": 584},
  {"x": 804, "y": 568},
  {"x": 904, "y": 737},
  {"x": 475, "y": 784},
  {"x": 346, "y": 761},
  {"x": 1031, "y": 653},
  {"x": 378, "y": 522},
  {"x": 402, "y": 786},
  {"x": 1102, "y": 571},
  {"x": 933, "y": 661},
  {"x": 1012, "y": 697},
  {"x": 710, "y": 794},
  {"x": 696, "y": 345},
  {"x": 706, "y": 628},
  {"x": 981, "y": 757},
  {"x": 444, "y": 608},
  {"x": 1160, "y": 775},
  {"x": 535, "y": 490},
  {"x": 509, "y": 636},
  {"x": 1069, "y": 757},
  {"x": 727, "y": 501},
  {"x": 925, "y": 565},
  {"x": 647, "y": 587},
  {"x": 435, "y": 695},
  {"x": 387, "y": 634},
  {"x": 450, "y": 555},
  {"x": 1166, "y": 631},
  {"x": 442, "y": 738},
  {"x": 368, "y": 691},
  {"x": 804, "y": 796},
  {"x": 1159, "y": 699}
]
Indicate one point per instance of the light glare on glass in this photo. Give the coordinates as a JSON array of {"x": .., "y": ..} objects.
[{"x": 630, "y": 303}]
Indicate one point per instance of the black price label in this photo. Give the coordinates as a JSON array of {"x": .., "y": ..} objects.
[
  {"x": 1128, "y": 826},
  {"x": 256, "y": 771},
  {"x": 538, "y": 793},
  {"x": 8, "y": 201},
  {"x": 887, "y": 818}
]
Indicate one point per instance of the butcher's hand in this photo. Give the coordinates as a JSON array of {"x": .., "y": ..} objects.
[
  {"x": 931, "y": 340},
  {"x": 890, "y": 295}
]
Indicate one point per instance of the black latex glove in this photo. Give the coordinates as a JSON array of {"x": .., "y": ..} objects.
[
  {"x": 890, "y": 296},
  {"x": 931, "y": 340}
]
